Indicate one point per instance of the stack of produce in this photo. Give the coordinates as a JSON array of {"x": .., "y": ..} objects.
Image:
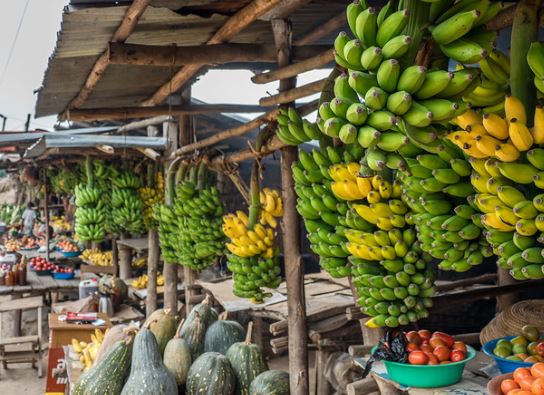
[
  {"x": 87, "y": 351},
  {"x": 198, "y": 210},
  {"x": 10, "y": 214},
  {"x": 525, "y": 381},
  {"x": 164, "y": 216},
  {"x": 126, "y": 204},
  {"x": 97, "y": 257},
  {"x": 526, "y": 347},
  {"x": 141, "y": 282},
  {"x": 426, "y": 348},
  {"x": 150, "y": 197},
  {"x": 59, "y": 224},
  {"x": 140, "y": 262},
  {"x": 64, "y": 180},
  {"x": 253, "y": 257}
]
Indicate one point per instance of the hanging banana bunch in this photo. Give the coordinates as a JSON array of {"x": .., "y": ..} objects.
[
  {"x": 126, "y": 203},
  {"x": 151, "y": 194}
]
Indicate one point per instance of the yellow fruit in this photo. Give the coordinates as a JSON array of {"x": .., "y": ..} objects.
[
  {"x": 520, "y": 135},
  {"x": 487, "y": 145},
  {"x": 495, "y": 126},
  {"x": 507, "y": 153},
  {"x": 468, "y": 118},
  {"x": 513, "y": 108},
  {"x": 538, "y": 129}
]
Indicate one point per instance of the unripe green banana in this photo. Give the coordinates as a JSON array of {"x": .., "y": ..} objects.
[
  {"x": 396, "y": 47},
  {"x": 342, "y": 89},
  {"x": 399, "y": 102},
  {"x": 375, "y": 98},
  {"x": 371, "y": 58},
  {"x": 333, "y": 126},
  {"x": 435, "y": 82},
  {"x": 381, "y": 120},
  {"x": 388, "y": 75},
  {"x": 464, "y": 51},
  {"x": 357, "y": 114},
  {"x": 442, "y": 109},
  {"x": 353, "y": 51},
  {"x": 361, "y": 82},
  {"x": 391, "y": 141},
  {"x": 367, "y": 136},
  {"x": 535, "y": 58},
  {"x": 455, "y": 27},
  {"x": 418, "y": 116},
  {"x": 352, "y": 12},
  {"x": 348, "y": 134},
  {"x": 459, "y": 83},
  {"x": 411, "y": 79},
  {"x": 339, "y": 107},
  {"x": 325, "y": 111},
  {"x": 392, "y": 26},
  {"x": 366, "y": 27},
  {"x": 376, "y": 159}
]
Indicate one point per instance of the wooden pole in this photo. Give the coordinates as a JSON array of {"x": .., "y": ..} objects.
[
  {"x": 294, "y": 267},
  {"x": 173, "y": 55},
  {"x": 153, "y": 254},
  {"x": 234, "y": 25},
  {"x": 125, "y": 259},
  {"x": 291, "y": 95},
  {"x": 125, "y": 28},
  {"x": 295, "y": 69},
  {"x": 170, "y": 271},
  {"x": 46, "y": 213},
  {"x": 123, "y": 113}
]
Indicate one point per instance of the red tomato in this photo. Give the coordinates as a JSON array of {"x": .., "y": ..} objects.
[
  {"x": 460, "y": 346},
  {"x": 412, "y": 347},
  {"x": 540, "y": 348},
  {"x": 457, "y": 355},
  {"x": 424, "y": 334},
  {"x": 445, "y": 338},
  {"x": 520, "y": 373},
  {"x": 413, "y": 337},
  {"x": 436, "y": 342},
  {"x": 418, "y": 358},
  {"x": 426, "y": 348},
  {"x": 442, "y": 353},
  {"x": 537, "y": 387},
  {"x": 432, "y": 359},
  {"x": 508, "y": 385},
  {"x": 537, "y": 370}
]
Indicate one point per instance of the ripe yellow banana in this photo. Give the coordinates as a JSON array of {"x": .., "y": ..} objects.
[
  {"x": 520, "y": 135},
  {"x": 513, "y": 108}
]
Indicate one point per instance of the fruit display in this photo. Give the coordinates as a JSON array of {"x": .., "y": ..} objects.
[
  {"x": 164, "y": 216},
  {"x": 126, "y": 204},
  {"x": 96, "y": 257},
  {"x": 86, "y": 351},
  {"x": 151, "y": 196},
  {"x": 29, "y": 243},
  {"x": 141, "y": 282},
  {"x": 67, "y": 246},
  {"x": 10, "y": 214},
  {"x": 426, "y": 348},
  {"x": 40, "y": 264},
  {"x": 525, "y": 381},
  {"x": 59, "y": 224},
  {"x": 60, "y": 269},
  {"x": 199, "y": 241},
  {"x": 64, "y": 180},
  {"x": 13, "y": 245},
  {"x": 528, "y": 346},
  {"x": 140, "y": 262}
]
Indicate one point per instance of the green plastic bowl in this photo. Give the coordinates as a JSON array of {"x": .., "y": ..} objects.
[{"x": 428, "y": 376}]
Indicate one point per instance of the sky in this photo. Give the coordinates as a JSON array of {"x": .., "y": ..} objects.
[{"x": 22, "y": 72}]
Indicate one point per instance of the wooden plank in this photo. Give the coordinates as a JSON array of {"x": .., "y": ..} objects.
[
  {"x": 145, "y": 123},
  {"x": 323, "y": 30},
  {"x": 125, "y": 28},
  {"x": 21, "y": 304},
  {"x": 295, "y": 69},
  {"x": 140, "y": 244},
  {"x": 98, "y": 269},
  {"x": 172, "y": 55},
  {"x": 19, "y": 340},
  {"x": 230, "y": 28},
  {"x": 293, "y": 94}
]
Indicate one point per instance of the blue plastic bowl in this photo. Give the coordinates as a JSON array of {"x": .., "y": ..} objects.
[
  {"x": 71, "y": 254},
  {"x": 504, "y": 365},
  {"x": 63, "y": 276}
]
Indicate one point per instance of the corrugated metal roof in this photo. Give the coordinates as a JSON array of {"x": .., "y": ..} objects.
[{"x": 88, "y": 25}]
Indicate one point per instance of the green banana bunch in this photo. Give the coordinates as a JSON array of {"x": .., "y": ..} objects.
[
  {"x": 126, "y": 204},
  {"x": 91, "y": 213},
  {"x": 64, "y": 181},
  {"x": 535, "y": 58},
  {"x": 293, "y": 130},
  {"x": 251, "y": 274},
  {"x": 166, "y": 219}
]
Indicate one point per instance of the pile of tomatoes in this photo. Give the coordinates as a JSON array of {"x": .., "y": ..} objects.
[
  {"x": 526, "y": 381},
  {"x": 426, "y": 348},
  {"x": 67, "y": 246},
  {"x": 41, "y": 264}
]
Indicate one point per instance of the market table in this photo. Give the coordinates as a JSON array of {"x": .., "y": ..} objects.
[
  {"x": 125, "y": 247},
  {"x": 41, "y": 284}
]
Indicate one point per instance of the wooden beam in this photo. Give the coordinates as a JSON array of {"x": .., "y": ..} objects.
[
  {"x": 323, "y": 30},
  {"x": 291, "y": 95},
  {"x": 125, "y": 28},
  {"x": 295, "y": 69},
  {"x": 168, "y": 56},
  {"x": 234, "y": 25},
  {"x": 284, "y": 9},
  {"x": 290, "y": 229},
  {"x": 145, "y": 123},
  {"x": 102, "y": 114}
]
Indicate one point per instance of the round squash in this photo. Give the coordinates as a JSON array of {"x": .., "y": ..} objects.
[
  {"x": 163, "y": 325},
  {"x": 148, "y": 375},
  {"x": 107, "y": 377},
  {"x": 271, "y": 382},
  {"x": 194, "y": 336},
  {"x": 211, "y": 374},
  {"x": 207, "y": 314},
  {"x": 177, "y": 357},
  {"x": 247, "y": 361},
  {"x": 222, "y": 334}
]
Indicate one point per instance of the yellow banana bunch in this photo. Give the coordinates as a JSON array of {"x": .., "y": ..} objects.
[
  {"x": 246, "y": 243},
  {"x": 150, "y": 197},
  {"x": 271, "y": 202},
  {"x": 86, "y": 351},
  {"x": 139, "y": 262},
  {"x": 96, "y": 257},
  {"x": 141, "y": 282},
  {"x": 235, "y": 225},
  {"x": 347, "y": 184},
  {"x": 59, "y": 224},
  {"x": 491, "y": 136}
]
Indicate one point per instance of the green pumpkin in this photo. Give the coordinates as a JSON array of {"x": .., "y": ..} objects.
[
  {"x": 271, "y": 382},
  {"x": 194, "y": 336},
  {"x": 148, "y": 375},
  {"x": 207, "y": 314},
  {"x": 222, "y": 334},
  {"x": 107, "y": 377},
  {"x": 247, "y": 361},
  {"x": 163, "y": 325},
  {"x": 211, "y": 374},
  {"x": 177, "y": 357}
]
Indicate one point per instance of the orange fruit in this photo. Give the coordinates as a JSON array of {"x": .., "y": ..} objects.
[
  {"x": 537, "y": 370},
  {"x": 537, "y": 388},
  {"x": 526, "y": 382},
  {"x": 520, "y": 373},
  {"x": 508, "y": 385}
]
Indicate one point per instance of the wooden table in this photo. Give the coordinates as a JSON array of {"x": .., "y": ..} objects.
[
  {"x": 41, "y": 284},
  {"x": 139, "y": 245}
]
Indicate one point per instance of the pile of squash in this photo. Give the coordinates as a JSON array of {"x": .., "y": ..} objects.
[{"x": 204, "y": 354}]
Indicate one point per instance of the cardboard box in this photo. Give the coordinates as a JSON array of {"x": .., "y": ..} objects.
[{"x": 62, "y": 333}]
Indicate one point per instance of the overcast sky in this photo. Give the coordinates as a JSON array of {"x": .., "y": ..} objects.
[{"x": 35, "y": 43}]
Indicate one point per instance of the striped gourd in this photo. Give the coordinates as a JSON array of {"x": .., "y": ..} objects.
[
  {"x": 108, "y": 376},
  {"x": 222, "y": 334},
  {"x": 162, "y": 324},
  {"x": 208, "y": 315},
  {"x": 177, "y": 357},
  {"x": 271, "y": 382},
  {"x": 194, "y": 336},
  {"x": 148, "y": 375},
  {"x": 211, "y": 374},
  {"x": 247, "y": 361}
]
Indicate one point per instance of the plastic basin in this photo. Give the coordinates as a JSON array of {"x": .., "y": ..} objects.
[
  {"x": 71, "y": 254},
  {"x": 504, "y": 365},
  {"x": 428, "y": 376},
  {"x": 63, "y": 276}
]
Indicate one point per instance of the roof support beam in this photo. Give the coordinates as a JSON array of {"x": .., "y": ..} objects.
[
  {"x": 125, "y": 28},
  {"x": 323, "y": 30},
  {"x": 154, "y": 55},
  {"x": 232, "y": 26},
  {"x": 291, "y": 95},
  {"x": 103, "y": 114}
]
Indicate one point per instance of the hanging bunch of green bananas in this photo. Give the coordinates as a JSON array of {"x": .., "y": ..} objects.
[
  {"x": 535, "y": 58},
  {"x": 293, "y": 130},
  {"x": 90, "y": 213},
  {"x": 64, "y": 180},
  {"x": 150, "y": 197},
  {"x": 165, "y": 217},
  {"x": 126, "y": 204},
  {"x": 448, "y": 228}
]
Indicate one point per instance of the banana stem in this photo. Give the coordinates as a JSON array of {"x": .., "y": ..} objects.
[
  {"x": 169, "y": 188},
  {"x": 255, "y": 198},
  {"x": 193, "y": 174},
  {"x": 418, "y": 18},
  {"x": 89, "y": 171},
  {"x": 524, "y": 32},
  {"x": 180, "y": 173},
  {"x": 151, "y": 175},
  {"x": 201, "y": 176}
]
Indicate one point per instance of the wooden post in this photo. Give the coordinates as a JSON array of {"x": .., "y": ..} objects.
[
  {"x": 153, "y": 254},
  {"x": 114, "y": 254},
  {"x": 170, "y": 271},
  {"x": 294, "y": 267},
  {"x": 125, "y": 260},
  {"x": 46, "y": 214}
]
